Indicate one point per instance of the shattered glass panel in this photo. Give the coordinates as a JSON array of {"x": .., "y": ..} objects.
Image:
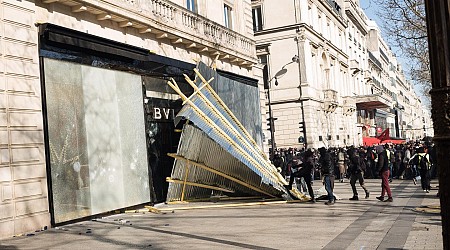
[{"x": 96, "y": 133}]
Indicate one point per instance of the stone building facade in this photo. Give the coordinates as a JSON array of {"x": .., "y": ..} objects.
[
  {"x": 75, "y": 74},
  {"x": 328, "y": 66}
]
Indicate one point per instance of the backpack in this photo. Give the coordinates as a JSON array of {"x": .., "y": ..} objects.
[
  {"x": 415, "y": 160},
  {"x": 424, "y": 163}
]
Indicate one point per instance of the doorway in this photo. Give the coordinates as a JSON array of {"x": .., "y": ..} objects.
[{"x": 161, "y": 105}]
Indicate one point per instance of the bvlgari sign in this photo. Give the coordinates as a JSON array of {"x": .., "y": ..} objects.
[
  {"x": 161, "y": 113},
  {"x": 161, "y": 110}
]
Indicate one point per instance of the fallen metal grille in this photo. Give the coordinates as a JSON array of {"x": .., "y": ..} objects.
[{"x": 217, "y": 155}]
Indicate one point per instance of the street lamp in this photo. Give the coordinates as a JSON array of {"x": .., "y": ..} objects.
[
  {"x": 302, "y": 123},
  {"x": 271, "y": 120}
]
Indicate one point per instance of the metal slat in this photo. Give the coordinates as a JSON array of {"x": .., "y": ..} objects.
[{"x": 219, "y": 143}]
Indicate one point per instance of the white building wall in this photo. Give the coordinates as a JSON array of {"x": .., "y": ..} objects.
[
  {"x": 335, "y": 58},
  {"x": 23, "y": 183}
]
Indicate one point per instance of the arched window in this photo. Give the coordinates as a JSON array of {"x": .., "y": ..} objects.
[{"x": 325, "y": 72}]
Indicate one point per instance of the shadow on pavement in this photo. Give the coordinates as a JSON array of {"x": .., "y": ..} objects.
[{"x": 6, "y": 247}]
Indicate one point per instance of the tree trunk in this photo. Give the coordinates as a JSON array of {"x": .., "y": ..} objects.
[{"x": 438, "y": 22}]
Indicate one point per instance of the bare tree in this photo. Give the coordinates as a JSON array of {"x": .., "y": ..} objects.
[{"x": 404, "y": 22}]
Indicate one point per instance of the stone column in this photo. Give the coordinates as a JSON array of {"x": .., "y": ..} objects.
[{"x": 438, "y": 21}]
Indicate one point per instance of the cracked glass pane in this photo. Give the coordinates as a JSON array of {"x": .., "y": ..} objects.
[{"x": 96, "y": 130}]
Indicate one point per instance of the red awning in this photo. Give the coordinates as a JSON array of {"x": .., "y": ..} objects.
[{"x": 369, "y": 141}]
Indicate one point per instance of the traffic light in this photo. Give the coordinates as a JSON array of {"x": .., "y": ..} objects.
[
  {"x": 271, "y": 123},
  {"x": 301, "y": 125}
]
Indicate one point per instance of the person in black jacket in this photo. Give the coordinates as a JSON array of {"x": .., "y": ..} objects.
[
  {"x": 383, "y": 170},
  {"x": 356, "y": 170},
  {"x": 327, "y": 170},
  {"x": 304, "y": 170}
]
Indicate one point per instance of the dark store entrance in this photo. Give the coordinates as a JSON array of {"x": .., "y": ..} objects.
[{"x": 161, "y": 106}]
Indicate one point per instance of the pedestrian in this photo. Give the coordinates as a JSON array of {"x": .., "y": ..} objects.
[
  {"x": 341, "y": 164},
  {"x": 391, "y": 160},
  {"x": 278, "y": 162},
  {"x": 327, "y": 171},
  {"x": 407, "y": 167},
  {"x": 371, "y": 167},
  {"x": 383, "y": 170},
  {"x": 398, "y": 166},
  {"x": 356, "y": 170},
  {"x": 422, "y": 160},
  {"x": 413, "y": 164},
  {"x": 304, "y": 170}
]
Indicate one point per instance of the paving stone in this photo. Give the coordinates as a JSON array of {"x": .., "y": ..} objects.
[{"x": 365, "y": 224}]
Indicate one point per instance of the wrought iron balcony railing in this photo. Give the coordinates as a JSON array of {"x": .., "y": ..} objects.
[{"x": 375, "y": 60}]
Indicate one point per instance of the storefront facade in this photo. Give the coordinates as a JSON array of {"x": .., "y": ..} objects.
[{"x": 86, "y": 117}]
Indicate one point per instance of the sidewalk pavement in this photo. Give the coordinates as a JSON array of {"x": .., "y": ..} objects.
[{"x": 363, "y": 224}]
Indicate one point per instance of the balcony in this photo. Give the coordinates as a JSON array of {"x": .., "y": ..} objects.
[
  {"x": 335, "y": 6},
  {"x": 330, "y": 100},
  {"x": 375, "y": 60},
  {"x": 368, "y": 102},
  {"x": 377, "y": 83},
  {"x": 335, "y": 9},
  {"x": 384, "y": 56},
  {"x": 351, "y": 9},
  {"x": 175, "y": 24}
]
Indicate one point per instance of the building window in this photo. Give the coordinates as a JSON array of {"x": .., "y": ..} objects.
[
  {"x": 228, "y": 13},
  {"x": 191, "y": 5},
  {"x": 310, "y": 15},
  {"x": 257, "y": 18}
]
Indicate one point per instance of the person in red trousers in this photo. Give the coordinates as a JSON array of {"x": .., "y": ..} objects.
[{"x": 383, "y": 170}]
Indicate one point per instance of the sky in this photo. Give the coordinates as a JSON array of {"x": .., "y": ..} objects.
[{"x": 371, "y": 8}]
